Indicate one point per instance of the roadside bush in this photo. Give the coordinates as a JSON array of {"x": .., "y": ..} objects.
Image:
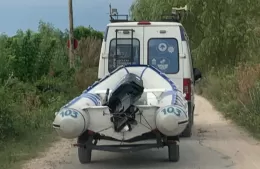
[
  {"x": 7, "y": 115},
  {"x": 88, "y": 52},
  {"x": 35, "y": 81},
  {"x": 236, "y": 94}
]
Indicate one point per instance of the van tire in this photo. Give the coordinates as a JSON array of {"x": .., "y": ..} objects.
[{"x": 188, "y": 130}]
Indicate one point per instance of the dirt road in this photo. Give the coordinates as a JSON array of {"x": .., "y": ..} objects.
[{"x": 215, "y": 144}]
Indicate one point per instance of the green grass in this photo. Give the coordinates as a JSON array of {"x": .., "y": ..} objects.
[
  {"x": 33, "y": 137},
  {"x": 27, "y": 120},
  {"x": 15, "y": 153},
  {"x": 26, "y": 116},
  {"x": 35, "y": 81}
]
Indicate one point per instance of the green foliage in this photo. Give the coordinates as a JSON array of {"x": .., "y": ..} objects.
[
  {"x": 35, "y": 81},
  {"x": 224, "y": 35},
  {"x": 242, "y": 106},
  {"x": 220, "y": 31},
  {"x": 83, "y": 32}
]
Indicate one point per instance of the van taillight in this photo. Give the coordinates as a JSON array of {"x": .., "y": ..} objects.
[
  {"x": 144, "y": 23},
  {"x": 187, "y": 88}
]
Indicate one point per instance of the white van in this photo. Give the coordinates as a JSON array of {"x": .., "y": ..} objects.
[{"x": 164, "y": 45}]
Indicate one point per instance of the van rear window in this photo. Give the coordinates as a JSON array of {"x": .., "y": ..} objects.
[
  {"x": 163, "y": 53},
  {"x": 123, "y": 56}
]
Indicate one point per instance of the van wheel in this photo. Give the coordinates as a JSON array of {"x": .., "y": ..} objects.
[{"x": 188, "y": 131}]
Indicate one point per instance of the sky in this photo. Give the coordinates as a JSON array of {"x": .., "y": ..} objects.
[{"x": 26, "y": 14}]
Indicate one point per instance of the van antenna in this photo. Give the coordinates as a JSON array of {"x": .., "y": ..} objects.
[{"x": 110, "y": 9}]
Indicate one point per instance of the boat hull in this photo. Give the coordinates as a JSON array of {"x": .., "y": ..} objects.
[{"x": 161, "y": 107}]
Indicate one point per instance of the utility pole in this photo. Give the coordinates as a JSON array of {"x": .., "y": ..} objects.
[{"x": 71, "y": 36}]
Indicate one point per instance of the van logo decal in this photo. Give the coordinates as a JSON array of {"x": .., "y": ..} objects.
[
  {"x": 171, "y": 49},
  {"x": 164, "y": 55},
  {"x": 164, "y": 64},
  {"x": 154, "y": 62},
  {"x": 162, "y": 47}
]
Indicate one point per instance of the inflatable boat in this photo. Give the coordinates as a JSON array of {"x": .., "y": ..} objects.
[{"x": 130, "y": 104}]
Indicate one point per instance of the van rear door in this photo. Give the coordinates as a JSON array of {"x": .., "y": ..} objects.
[
  {"x": 124, "y": 41},
  {"x": 162, "y": 49}
]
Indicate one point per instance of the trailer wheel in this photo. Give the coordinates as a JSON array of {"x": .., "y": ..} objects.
[
  {"x": 84, "y": 154},
  {"x": 174, "y": 152}
]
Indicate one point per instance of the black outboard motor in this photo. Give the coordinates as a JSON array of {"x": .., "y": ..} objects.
[{"x": 129, "y": 90}]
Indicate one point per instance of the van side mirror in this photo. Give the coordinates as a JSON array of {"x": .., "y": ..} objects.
[{"x": 197, "y": 74}]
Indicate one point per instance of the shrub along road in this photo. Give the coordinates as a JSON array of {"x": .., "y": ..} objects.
[{"x": 216, "y": 144}]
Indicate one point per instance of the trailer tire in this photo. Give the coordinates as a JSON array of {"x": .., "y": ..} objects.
[
  {"x": 84, "y": 154},
  {"x": 173, "y": 152}
]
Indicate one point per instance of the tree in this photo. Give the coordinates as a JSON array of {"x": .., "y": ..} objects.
[{"x": 220, "y": 31}]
